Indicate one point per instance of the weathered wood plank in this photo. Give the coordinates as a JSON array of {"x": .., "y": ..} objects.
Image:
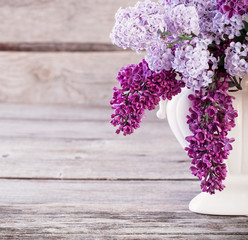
[
  {"x": 79, "y": 143},
  {"x": 85, "y": 130},
  {"x": 33, "y": 118},
  {"x": 59, "y": 47},
  {"x": 97, "y": 159},
  {"x": 106, "y": 236},
  {"x": 58, "y": 21},
  {"x": 66, "y": 78},
  {"x": 136, "y": 195},
  {"x": 117, "y": 210},
  {"x": 59, "y": 112}
]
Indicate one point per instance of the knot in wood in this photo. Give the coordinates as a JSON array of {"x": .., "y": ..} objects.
[{"x": 45, "y": 73}]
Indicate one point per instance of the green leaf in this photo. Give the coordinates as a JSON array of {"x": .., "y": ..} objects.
[
  {"x": 185, "y": 37},
  {"x": 238, "y": 86},
  {"x": 242, "y": 36},
  {"x": 221, "y": 62},
  {"x": 231, "y": 84},
  {"x": 233, "y": 90},
  {"x": 246, "y": 25},
  {"x": 212, "y": 45}
]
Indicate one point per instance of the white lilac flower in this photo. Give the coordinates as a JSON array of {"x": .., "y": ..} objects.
[
  {"x": 159, "y": 57},
  {"x": 136, "y": 27},
  {"x": 184, "y": 19},
  {"x": 236, "y": 59},
  {"x": 193, "y": 62}
]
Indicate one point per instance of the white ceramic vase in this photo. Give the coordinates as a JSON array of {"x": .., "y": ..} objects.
[{"x": 233, "y": 200}]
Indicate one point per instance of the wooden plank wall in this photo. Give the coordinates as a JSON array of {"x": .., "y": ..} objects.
[{"x": 59, "y": 51}]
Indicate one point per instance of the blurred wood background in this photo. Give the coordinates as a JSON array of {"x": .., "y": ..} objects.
[
  {"x": 59, "y": 51},
  {"x": 64, "y": 173}
]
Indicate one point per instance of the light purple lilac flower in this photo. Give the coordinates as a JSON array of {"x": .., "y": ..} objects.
[
  {"x": 206, "y": 11},
  {"x": 182, "y": 17},
  {"x": 173, "y": 3},
  {"x": 222, "y": 25},
  {"x": 211, "y": 117},
  {"x": 136, "y": 27},
  {"x": 185, "y": 20},
  {"x": 193, "y": 62},
  {"x": 159, "y": 57},
  {"x": 140, "y": 89},
  {"x": 236, "y": 60},
  {"x": 214, "y": 24}
]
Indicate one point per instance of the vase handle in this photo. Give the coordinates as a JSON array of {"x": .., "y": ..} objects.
[
  {"x": 161, "y": 113},
  {"x": 177, "y": 110}
]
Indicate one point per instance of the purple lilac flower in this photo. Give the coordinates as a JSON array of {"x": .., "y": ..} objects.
[
  {"x": 140, "y": 89},
  {"x": 236, "y": 60},
  {"x": 136, "y": 27},
  {"x": 212, "y": 117},
  {"x": 193, "y": 62},
  {"x": 232, "y": 7}
]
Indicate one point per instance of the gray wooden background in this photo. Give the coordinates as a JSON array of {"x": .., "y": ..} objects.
[{"x": 59, "y": 51}]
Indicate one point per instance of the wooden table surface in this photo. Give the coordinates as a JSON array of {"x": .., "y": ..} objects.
[{"x": 64, "y": 173}]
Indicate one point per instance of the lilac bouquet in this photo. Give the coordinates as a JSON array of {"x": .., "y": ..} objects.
[{"x": 198, "y": 44}]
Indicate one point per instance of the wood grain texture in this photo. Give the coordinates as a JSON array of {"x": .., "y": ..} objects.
[
  {"x": 79, "y": 143},
  {"x": 58, "y": 21},
  {"x": 59, "y": 47},
  {"x": 70, "y": 159},
  {"x": 65, "y": 78},
  {"x": 85, "y": 130},
  {"x": 104, "y": 235},
  {"x": 173, "y": 195},
  {"x": 48, "y": 112},
  {"x": 133, "y": 187},
  {"x": 113, "y": 209}
]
